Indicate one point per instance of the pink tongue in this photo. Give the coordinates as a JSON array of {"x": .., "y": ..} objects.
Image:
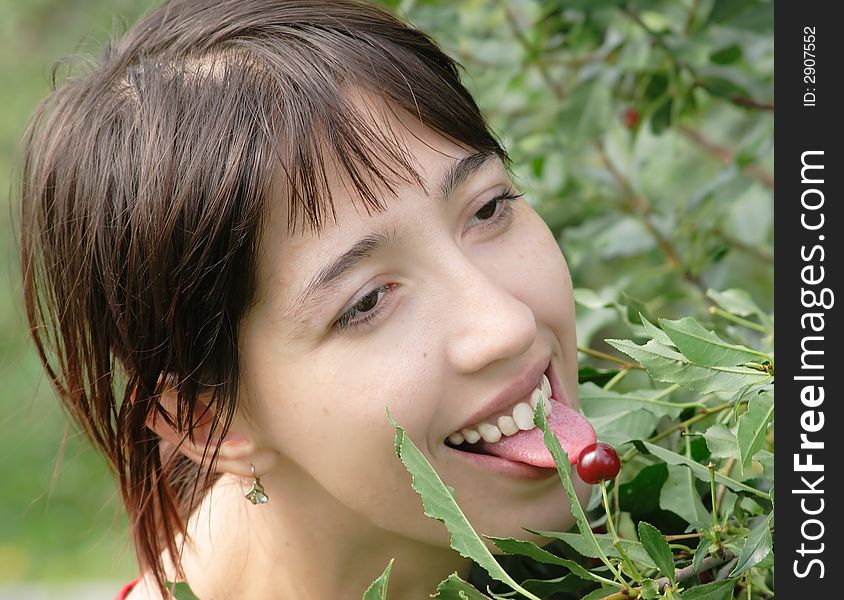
[{"x": 570, "y": 427}]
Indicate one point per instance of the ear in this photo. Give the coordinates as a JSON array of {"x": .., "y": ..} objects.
[{"x": 239, "y": 450}]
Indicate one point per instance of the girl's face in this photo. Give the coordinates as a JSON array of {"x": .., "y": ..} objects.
[{"x": 437, "y": 306}]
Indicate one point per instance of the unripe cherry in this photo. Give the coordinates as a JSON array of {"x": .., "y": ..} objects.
[{"x": 598, "y": 462}]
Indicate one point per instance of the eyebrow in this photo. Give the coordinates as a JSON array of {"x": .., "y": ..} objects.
[{"x": 329, "y": 277}]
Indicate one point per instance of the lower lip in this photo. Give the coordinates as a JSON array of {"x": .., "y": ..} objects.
[{"x": 503, "y": 466}]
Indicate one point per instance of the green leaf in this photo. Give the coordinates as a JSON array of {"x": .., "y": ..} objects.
[
  {"x": 598, "y": 402},
  {"x": 703, "y": 347},
  {"x": 599, "y": 377},
  {"x": 622, "y": 427},
  {"x": 739, "y": 303},
  {"x": 546, "y": 587},
  {"x": 590, "y": 299},
  {"x": 601, "y": 593},
  {"x": 529, "y": 549},
  {"x": 753, "y": 426},
  {"x": 649, "y": 589},
  {"x": 717, "y": 590},
  {"x": 743, "y": 14},
  {"x": 454, "y": 588},
  {"x": 439, "y": 504},
  {"x": 657, "y": 548},
  {"x": 655, "y": 332},
  {"x": 181, "y": 590},
  {"x": 377, "y": 590},
  {"x": 721, "y": 441},
  {"x": 701, "y": 553},
  {"x": 680, "y": 496},
  {"x": 634, "y": 308},
  {"x": 767, "y": 460},
  {"x": 723, "y": 87},
  {"x": 701, "y": 472},
  {"x": 726, "y": 55},
  {"x": 669, "y": 366},
  {"x": 661, "y": 118},
  {"x": 640, "y": 496},
  {"x": 635, "y": 550},
  {"x": 756, "y": 547},
  {"x": 724, "y": 10}
]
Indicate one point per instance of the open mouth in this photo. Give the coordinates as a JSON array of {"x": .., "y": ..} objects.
[
  {"x": 510, "y": 422},
  {"x": 467, "y": 447},
  {"x": 509, "y": 442}
]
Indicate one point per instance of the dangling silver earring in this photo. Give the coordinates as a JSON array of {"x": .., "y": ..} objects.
[{"x": 256, "y": 493}]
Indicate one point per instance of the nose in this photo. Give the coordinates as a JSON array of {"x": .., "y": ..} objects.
[{"x": 485, "y": 320}]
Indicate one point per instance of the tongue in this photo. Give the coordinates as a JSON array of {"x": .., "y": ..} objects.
[{"x": 571, "y": 428}]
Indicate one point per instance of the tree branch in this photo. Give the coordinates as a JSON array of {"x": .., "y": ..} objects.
[
  {"x": 640, "y": 206},
  {"x": 679, "y": 575},
  {"x": 725, "y": 155},
  {"x": 559, "y": 92},
  {"x": 609, "y": 357}
]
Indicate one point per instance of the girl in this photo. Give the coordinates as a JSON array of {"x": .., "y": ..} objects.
[{"x": 247, "y": 230}]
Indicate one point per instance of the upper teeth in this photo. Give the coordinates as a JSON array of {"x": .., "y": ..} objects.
[{"x": 520, "y": 419}]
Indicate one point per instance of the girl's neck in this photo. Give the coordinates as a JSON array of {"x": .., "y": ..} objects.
[{"x": 301, "y": 548}]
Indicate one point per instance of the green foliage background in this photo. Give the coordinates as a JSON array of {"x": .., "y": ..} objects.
[{"x": 649, "y": 216}]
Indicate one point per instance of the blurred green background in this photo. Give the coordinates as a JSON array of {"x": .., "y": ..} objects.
[{"x": 642, "y": 131}]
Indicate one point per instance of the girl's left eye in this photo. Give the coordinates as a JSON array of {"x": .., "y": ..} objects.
[
  {"x": 496, "y": 212},
  {"x": 365, "y": 306},
  {"x": 496, "y": 215}
]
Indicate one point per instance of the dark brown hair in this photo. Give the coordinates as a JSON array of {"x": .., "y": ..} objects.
[{"x": 144, "y": 182}]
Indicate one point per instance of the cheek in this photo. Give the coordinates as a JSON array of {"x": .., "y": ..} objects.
[
  {"x": 327, "y": 420},
  {"x": 537, "y": 273}
]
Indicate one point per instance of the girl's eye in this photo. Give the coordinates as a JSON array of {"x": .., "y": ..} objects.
[
  {"x": 365, "y": 306},
  {"x": 497, "y": 211},
  {"x": 489, "y": 213}
]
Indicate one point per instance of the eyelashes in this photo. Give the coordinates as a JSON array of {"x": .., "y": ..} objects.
[{"x": 371, "y": 305}]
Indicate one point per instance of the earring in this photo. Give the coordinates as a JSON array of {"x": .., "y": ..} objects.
[{"x": 256, "y": 493}]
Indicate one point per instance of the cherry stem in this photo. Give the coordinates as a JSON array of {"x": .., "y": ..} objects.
[{"x": 615, "y": 539}]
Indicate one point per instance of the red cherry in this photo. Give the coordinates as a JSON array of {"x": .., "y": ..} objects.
[
  {"x": 630, "y": 117},
  {"x": 598, "y": 462}
]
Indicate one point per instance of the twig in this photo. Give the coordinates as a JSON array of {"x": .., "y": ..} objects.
[
  {"x": 638, "y": 205},
  {"x": 691, "y": 421},
  {"x": 604, "y": 356},
  {"x": 682, "y": 536},
  {"x": 725, "y": 155},
  {"x": 531, "y": 51},
  {"x": 751, "y": 103},
  {"x": 616, "y": 378},
  {"x": 714, "y": 310},
  {"x": 762, "y": 254},
  {"x": 616, "y": 541},
  {"x": 679, "y": 575}
]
